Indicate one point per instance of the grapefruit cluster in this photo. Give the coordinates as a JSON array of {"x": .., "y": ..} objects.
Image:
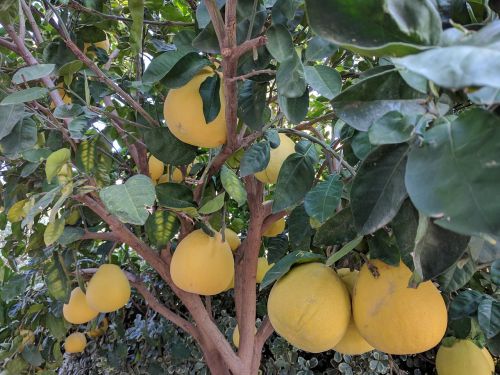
[
  {"x": 108, "y": 290},
  {"x": 317, "y": 309}
]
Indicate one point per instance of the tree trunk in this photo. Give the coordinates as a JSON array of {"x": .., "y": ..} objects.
[{"x": 213, "y": 359}]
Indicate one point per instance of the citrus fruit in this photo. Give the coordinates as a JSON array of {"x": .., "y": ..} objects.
[
  {"x": 202, "y": 264},
  {"x": 310, "y": 308}
]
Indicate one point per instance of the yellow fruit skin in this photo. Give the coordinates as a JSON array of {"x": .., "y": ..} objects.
[
  {"x": 104, "y": 44},
  {"x": 28, "y": 337},
  {"x": 232, "y": 239},
  {"x": 277, "y": 157},
  {"x": 156, "y": 168},
  {"x": 275, "y": 228},
  {"x": 75, "y": 343},
  {"x": 262, "y": 267},
  {"x": 100, "y": 330},
  {"x": 77, "y": 310},
  {"x": 396, "y": 319},
  {"x": 464, "y": 358},
  {"x": 108, "y": 289},
  {"x": 73, "y": 217},
  {"x": 177, "y": 175},
  {"x": 310, "y": 308},
  {"x": 352, "y": 343},
  {"x": 183, "y": 111},
  {"x": 236, "y": 336},
  {"x": 202, "y": 264}
]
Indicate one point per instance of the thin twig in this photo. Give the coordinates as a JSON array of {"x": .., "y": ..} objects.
[
  {"x": 253, "y": 73},
  {"x": 322, "y": 144},
  {"x": 37, "y": 35}
]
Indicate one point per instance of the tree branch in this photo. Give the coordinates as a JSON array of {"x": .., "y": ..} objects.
[
  {"x": 152, "y": 302},
  {"x": 217, "y": 20},
  {"x": 254, "y": 73},
  {"x": 103, "y": 236},
  {"x": 9, "y": 45},
  {"x": 322, "y": 144},
  {"x": 37, "y": 35}
]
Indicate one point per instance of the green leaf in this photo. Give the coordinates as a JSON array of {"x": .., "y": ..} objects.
[
  {"x": 373, "y": 97},
  {"x": 213, "y": 205},
  {"x": 495, "y": 272},
  {"x": 488, "y": 315},
  {"x": 485, "y": 96},
  {"x": 70, "y": 68},
  {"x": 86, "y": 155},
  {"x": 40, "y": 205},
  {"x": 23, "y": 96},
  {"x": 162, "y": 64},
  {"x": 284, "y": 10},
  {"x": 465, "y": 304},
  {"x": 70, "y": 235},
  {"x": 31, "y": 73},
  {"x": 295, "y": 179},
  {"x": 9, "y": 117},
  {"x": 378, "y": 190},
  {"x": 161, "y": 227},
  {"x": 285, "y": 264},
  {"x": 322, "y": 200},
  {"x": 277, "y": 247},
  {"x": 324, "y": 80},
  {"x": 376, "y": 27},
  {"x": 68, "y": 111},
  {"x": 383, "y": 246},
  {"x": 56, "y": 280},
  {"x": 136, "y": 8},
  {"x": 290, "y": 78},
  {"x": 436, "y": 249},
  {"x": 361, "y": 146},
  {"x": 472, "y": 68},
  {"x": 457, "y": 276},
  {"x": 53, "y": 231},
  {"x": 9, "y": 11},
  {"x": 279, "y": 42},
  {"x": 299, "y": 229},
  {"x": 308, "y": 149},
  {"x": 23, "y": 137},
  {"x": 295, "y": 109},
  {"x": 255, "y": 159},
  {"x": 404, "y": 227},
  {"x": 319, "y": 48},
  {"x": 14, "y": 287},
  {"x": 176, "y": 196},
  {"x": 391, "y": 128},
  {"x": 209, "y": 92},
  {"x": 165, "y": 147},
  {"x": 55, "y": 162},
  {"x": 337, "y": 230},
  {"x": 346, "y": 249},
  {"x": 233, "y": 186},
  {"x": 482, "y": 251},
  {"x": 454, "y": 175},
  {"x": 78, "y": 126},
  {"x": 184, "y": 70},
  {"x": 31, "y": 355},
  {"x": 55, "y": 326},
  {"x": 252, "y": 104},
  {"x": 128, "y": 202}
]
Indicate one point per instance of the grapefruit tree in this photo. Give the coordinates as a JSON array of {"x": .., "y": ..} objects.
[{"x": 247, "y": 150}]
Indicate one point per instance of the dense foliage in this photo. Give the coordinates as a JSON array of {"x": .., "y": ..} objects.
[{"x": 394, "y": 110}]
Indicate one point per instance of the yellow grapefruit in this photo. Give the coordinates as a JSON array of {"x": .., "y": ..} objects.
[
  {"x": 109, "y": 289},
  {"x": 275, "y": 228},
  {"x": 262, "y": 267},
  {"x": 202, "y": 264},
  {"x": 464, "y": 358},
  {"x": 75, "y": 343},
  {"x": 232, "y": 239},
  {"x": 156, "y": 168},
  {"x": 183, "y": 111},
  {"x": 236, "y": 336},
  {"x": 278, "y": 155},
  {"x": 310, "y": 308},
  {"x": 77, "y": 310},
  {"x": 352, "y": 343},
  {"x": 394, "y": 318}
]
